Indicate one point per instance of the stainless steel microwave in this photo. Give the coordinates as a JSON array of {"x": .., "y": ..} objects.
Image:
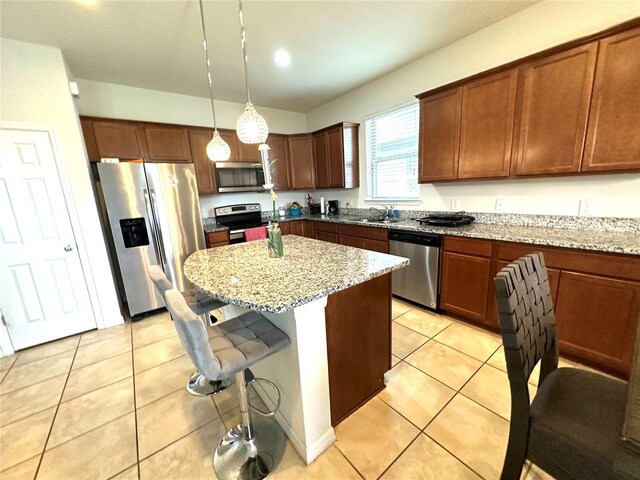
[{"x": 239, "y": 177}]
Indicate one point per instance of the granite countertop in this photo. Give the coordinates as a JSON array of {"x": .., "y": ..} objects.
[
  {"x": 244, "y": 275},
  {"x": 586, "y": 239}
]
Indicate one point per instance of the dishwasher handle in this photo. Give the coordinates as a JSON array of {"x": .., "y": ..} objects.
[{"x": 426, "y": 239}]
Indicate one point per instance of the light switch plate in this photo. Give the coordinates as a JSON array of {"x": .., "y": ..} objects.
[
  {"x": 500, "y": 204},
  {"x": 455, "y": 204}
]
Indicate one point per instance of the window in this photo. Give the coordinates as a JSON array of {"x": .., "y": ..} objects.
[{"x": 392, "y": 154}]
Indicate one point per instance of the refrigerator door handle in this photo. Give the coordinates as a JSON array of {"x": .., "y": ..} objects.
[
  {"x": 152, "y": 223},
  {"x": 156, "y": 219}
]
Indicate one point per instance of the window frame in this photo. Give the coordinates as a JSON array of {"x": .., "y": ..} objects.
[{"x": 369, "y": 198}]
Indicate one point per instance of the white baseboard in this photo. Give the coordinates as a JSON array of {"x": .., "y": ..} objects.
[{"x": 307, "y": 453}]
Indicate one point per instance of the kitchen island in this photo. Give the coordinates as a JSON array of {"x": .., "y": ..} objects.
[{"x": 334, "y": 303}]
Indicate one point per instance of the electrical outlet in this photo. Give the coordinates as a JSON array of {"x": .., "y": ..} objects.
[
  {"x": 500, "y": 204},
  {"x": 586, "y": 207},
  {"x": 347, "y": 203},
  {"x": 455, "y": 204}
]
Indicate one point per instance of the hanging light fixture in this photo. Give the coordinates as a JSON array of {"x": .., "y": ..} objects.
[
  {"x": 217, "y": 148},
  {"x": 251, "y": 127}
]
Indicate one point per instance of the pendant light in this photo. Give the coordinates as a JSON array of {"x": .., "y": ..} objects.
[
  {"x": 217, "y": 148},
  {"x": 251, "y": 127}
]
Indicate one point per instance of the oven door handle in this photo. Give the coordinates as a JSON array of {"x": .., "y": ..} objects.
[{"x": 236, "y": 234}]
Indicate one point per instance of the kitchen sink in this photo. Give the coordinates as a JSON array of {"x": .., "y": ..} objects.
[{"x": 379, "y": 220}]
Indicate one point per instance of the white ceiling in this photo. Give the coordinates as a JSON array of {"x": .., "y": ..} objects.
[{"x": 335, "y": 46}]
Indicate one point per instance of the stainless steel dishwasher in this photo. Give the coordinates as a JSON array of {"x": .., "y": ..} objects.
[{"x": 419, "y": 281}]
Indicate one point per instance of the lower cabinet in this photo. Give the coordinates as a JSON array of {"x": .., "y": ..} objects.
[
  {"x": 464, "y": 277},
  {"x": 217, "y": 239},
  {"x": 285, "y": 228},
  {"x": 327, "y": 232},
  {"x": 596, "y": 300},
  {"x": 368, "y": 238},
  {"x": 296, "y": 228}
]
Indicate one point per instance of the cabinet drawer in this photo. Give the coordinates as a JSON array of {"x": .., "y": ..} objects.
[
  {"x": 470, "y": 246},
  {"x": 326, "y": 236},
  {"x": 375, "y": 245},
  {"x": 326, "y": 227},
  {"x": 372, "y": 233},
  {"x": 217, "y": 238}
]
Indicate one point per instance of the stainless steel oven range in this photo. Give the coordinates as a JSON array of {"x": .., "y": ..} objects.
[{"x": 238, "y": 218}]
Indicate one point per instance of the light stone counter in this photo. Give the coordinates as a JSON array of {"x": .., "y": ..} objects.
[
  {"x": 292, "y": 293},
  {"x": 244, "y": 275}
]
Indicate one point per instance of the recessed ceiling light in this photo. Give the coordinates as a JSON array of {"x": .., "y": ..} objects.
[{"x": 282, "y": 58}]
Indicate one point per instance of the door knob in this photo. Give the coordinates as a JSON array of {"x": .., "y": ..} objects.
[{"x": 68, "y": 248}]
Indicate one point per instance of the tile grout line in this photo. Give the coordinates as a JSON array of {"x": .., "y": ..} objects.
[
  {"x": 347, "y": 459},
  {"x": 53, "y": 420},
  {"x": 135, "y": 404},
  {"x": 453, "y": 455},
  {"x": 399, "y": 455}
]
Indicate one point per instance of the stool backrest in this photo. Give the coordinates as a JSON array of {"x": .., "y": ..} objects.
[
  {"x": 192, "y": 334},
  {"x": 527, "y": 321},
  {"x": 159, "y": 279}
]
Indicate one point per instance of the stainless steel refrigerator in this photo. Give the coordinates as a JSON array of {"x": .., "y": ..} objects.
[{"x": 154, "y": 216}]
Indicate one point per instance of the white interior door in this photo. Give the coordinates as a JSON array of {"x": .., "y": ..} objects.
[{"x": 44, "y": 295}]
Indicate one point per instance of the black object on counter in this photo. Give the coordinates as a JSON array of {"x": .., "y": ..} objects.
[{"x": 456, "y": 219}]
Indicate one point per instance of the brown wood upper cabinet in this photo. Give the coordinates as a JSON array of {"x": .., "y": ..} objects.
[
  {"x": 279, "y": 157},
  {"x": 301, "y": 162},
  {"x": 613, "y": 142},
  {"x": 486, "y": 128},
  {"x": 336, "y": 156},
  {"x": 553, "y": 102},
  {"x": 167, "y": 144},
  {"x": 205, "y": 168},
  {"x": 118, "y": 139},
  {"x": 248, "y": 152},
  {"x": 229, "y": 136},
  {"x": 439, "y": 136}
]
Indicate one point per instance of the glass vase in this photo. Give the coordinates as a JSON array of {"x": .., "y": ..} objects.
[{"x": 274, "y": 242}]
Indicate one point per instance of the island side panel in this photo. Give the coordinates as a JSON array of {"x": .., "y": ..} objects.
[
  {"x": 358, "y": 344},
  {"x": 300, "y": 371}
]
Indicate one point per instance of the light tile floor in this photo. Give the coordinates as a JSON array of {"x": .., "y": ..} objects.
[{"x": 112, "y": 404}]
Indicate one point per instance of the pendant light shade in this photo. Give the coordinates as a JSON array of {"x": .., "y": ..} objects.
[
  {"x": 251, "y": 126},
  {"x": 217, "y": 149}
]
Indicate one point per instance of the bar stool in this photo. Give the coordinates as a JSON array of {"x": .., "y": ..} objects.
[
  {"x": 200, "y": 304},
  {"x": 253, "y": 449}
]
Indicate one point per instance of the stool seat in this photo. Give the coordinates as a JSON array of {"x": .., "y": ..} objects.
[{"x": 243, "y": 341}]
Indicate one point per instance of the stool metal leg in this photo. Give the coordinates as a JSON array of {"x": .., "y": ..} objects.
[
  {"x": 201, "y": 386},
  {"x": 251, "y": 450}
]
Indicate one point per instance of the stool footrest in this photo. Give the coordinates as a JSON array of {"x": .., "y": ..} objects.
[{"x": 269, "y": 413}]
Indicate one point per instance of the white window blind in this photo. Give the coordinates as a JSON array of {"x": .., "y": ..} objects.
[{"x": 392, "y": 154}]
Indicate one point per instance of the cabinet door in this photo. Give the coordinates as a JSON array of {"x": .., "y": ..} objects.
[
  {"x": 217, "y": 239},
  {"x": 336, "y": 157},
  {"x": 465, "y": 285},
  {"x": 351, "y": 241},
  {"x": 167, "y": 144},
  {"x": 296, "y": 228},
  {"x": 285, "y": 227},
  {"x": 375, "y": 245},
  {"x": 205, "y": 177},
  {"x": 301, "y": 164},
  {"x": 118, "y": 140},
  {"x": 307, "y": 228},
  {"x": 229, "y": 136},
  {"x": 89, "y": 140},
  {"x": 613, "y": 141},
  {"x": 597, "y": 318},
  {"x": 439, "y": 136},
  {"x": 279, "y": 161},
  {"x": 248, "y": 152},
  {"x": 486, "y": 130},
  {"x": 321, "y": 156},
  {"x": 326, "y": 236},
  {"x": 554, "y": 100}
]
